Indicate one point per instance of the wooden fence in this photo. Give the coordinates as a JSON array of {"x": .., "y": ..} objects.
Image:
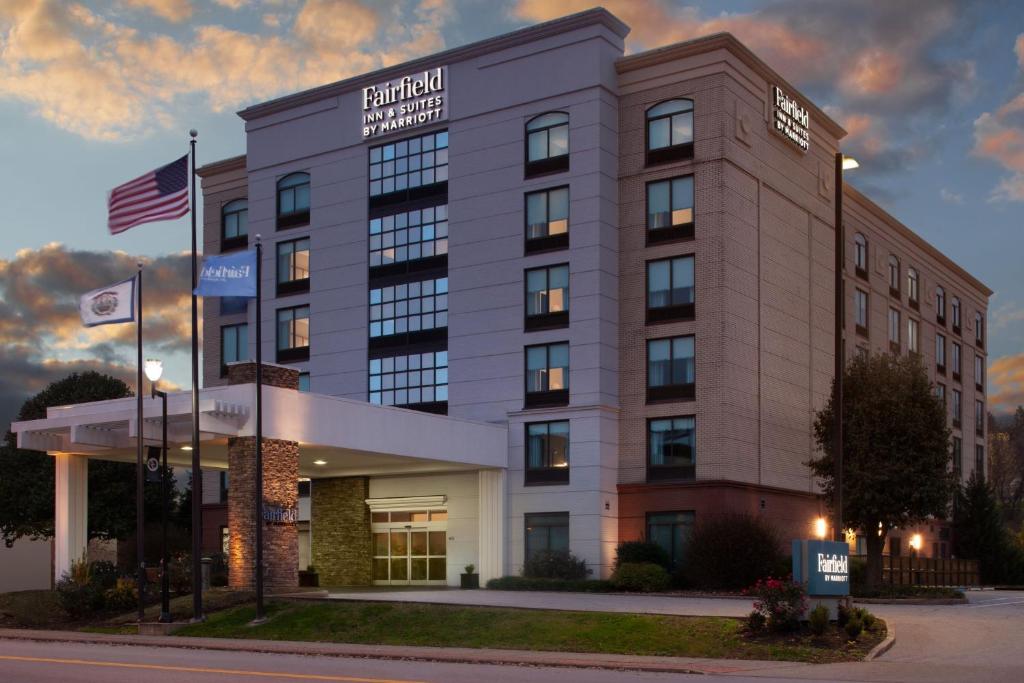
[{"x": 905, "y": 570}]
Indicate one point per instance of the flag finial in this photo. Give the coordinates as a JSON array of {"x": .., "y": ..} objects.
[{"x": 194, "y": 133}]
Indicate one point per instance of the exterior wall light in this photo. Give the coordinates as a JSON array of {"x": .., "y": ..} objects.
[
  {"x": 916, "y": 542},
  {"x": 820, "y": 527},
  {"x": 319, "y": 462}
]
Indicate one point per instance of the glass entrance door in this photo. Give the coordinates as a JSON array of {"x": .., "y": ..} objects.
[{"x": 410, "y": 554}]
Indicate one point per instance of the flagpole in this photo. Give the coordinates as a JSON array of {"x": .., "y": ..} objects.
[
  {"x": 259, "y": 430},
  {"x": 140, "y": 521},
  {"x": 197, "y": 479}
]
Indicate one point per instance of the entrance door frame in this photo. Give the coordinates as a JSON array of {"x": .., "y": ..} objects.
[{"x": 429, "y": 504}]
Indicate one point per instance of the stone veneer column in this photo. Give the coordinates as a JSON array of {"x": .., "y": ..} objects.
[
  {"x": 280, "y": 488},
  {"x": 340, "y": 531}
]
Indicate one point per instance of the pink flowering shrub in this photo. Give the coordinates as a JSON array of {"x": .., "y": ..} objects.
[{"x": 781, "y": 602}]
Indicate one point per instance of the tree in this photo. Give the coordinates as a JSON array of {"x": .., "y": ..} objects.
[
  {"x": 896, "y": 453},
  {"x": 27, "y": 477},
  {"x": 979, "y": 533},
  {"x": 1006, "y": 463}
]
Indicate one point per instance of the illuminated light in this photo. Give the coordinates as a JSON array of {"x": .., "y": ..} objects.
[
  {"x": 916, "y": 541},
  {"x": 820, "y": 527},
  {"x": 319, "y": 462},
  {"x": 849, "y": 163},
  {"x": 154, "y": 369},
  {"x": 186, "y": 448}
]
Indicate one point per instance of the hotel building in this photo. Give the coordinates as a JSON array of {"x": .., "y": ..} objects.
[{"x": 533, "y": 293}]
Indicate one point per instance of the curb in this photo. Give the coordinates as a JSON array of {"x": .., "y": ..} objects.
[
  {"x": 884, "y": 646},
  {"x": 911, "y": 601}
]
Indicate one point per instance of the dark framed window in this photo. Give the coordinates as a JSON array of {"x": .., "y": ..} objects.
[
  {"x": 547, "y": 452},
  {"x": 547, "y": 220},
  {"x": 547, "y": 144},
  {"x": 409, "y": 169},
  {"x": 293, "y": 200},
  {"x": 408, "y": 236},
  {"x": 547, "y": 297},
  {"x": 234, "y": 345},
  {"x": 234, "y": 225},
  {"x": 670, "y": 131},
  {"x": 940, "y": 306},
  {"x": 670, "y": 209},
  {"x": 223, "y": 482},
  {"x": 957, "y": 408},
  {"x": 955, "y": 311},
  {"x": 304, "y": 381},
  {"x": 979, "y": 460},
  {"x": 913, "y": 288},
  {"x": 417, "y": 380},
  {"x": 979, "y": 372},
  {"x": 894, "y": 330},
  {"x": 860, "y": 311},
  {"x": 671, "y": 448},
  {"x": 670, "y": 369},
  {"x": 409, "y": 308},
  {"x": 547, "y": 375},
  {"x": 293, "y": 266},
  {"x": 894, "y": 276},
  {"x": 979, "y": 329},
  {"x": 671, "y": 530},
  {"x": 913, "y": 336},
  {"x": 670, "y": 289},
  {"x": 940, "y": 393},
  {"x": 979, "y": 417},
  {"x": 940, "y": 354},
  {"x": 956, "y": 361},
  {"x": 546, "y": 531},
  {"x": 234, "y": 305},
  {"x": 305, "y": 488},
  {"x": 292, "y": 334},
  {"x": 860, "y": 255},
  {"x": 958, "y": 457}
]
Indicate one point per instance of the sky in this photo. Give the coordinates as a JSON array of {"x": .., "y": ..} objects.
[{"x": 93, "y": 94}]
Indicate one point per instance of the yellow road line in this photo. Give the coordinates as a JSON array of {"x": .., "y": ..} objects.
[{"x": 203, "y": 670}]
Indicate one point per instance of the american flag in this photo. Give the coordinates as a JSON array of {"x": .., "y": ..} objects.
[{"x": 159, "y": 195}]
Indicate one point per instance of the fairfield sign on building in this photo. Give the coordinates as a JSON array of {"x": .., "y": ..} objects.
[
  {"x": 790, "y": 119},
  {"x": 407, "y": 102}
]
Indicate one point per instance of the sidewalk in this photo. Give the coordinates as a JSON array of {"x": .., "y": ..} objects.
[{"x": 678, "y": 665}]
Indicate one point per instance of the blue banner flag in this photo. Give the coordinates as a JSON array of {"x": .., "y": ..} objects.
[{"x": 228, "y": 275}]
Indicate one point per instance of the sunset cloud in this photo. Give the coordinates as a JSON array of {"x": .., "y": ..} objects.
[
  {"x": 999, "y": 137},
  {"x": 1006, "y": 382},
  {"x": 171, "y": 10}
]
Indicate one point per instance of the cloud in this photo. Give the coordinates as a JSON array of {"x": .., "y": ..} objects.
[
  {"x": 999, "y": 137},
  {"x": 172, "y": 10},
  {"x": 94, "y": 75},
  {"x": 1006, "y": 382},
  {"x": 232, "y": 4},
  {"x": 951, "y": 197}
]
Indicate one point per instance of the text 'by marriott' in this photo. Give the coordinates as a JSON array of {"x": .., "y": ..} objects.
[
  {"x": 791, "y": 120},
  {"x": 406, "y": 102}
]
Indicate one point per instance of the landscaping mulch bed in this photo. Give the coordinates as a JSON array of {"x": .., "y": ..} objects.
[{"x": 833, "y": 646}]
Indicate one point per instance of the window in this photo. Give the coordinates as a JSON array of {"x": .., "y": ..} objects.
[
  {"x": 940, "y": 354},
  {"x": 913, "y": 336},
  {"x": 913, "y": 287},
  {"x": 955, "y": 308},
  {"x": 670, "y": 131},
  {"x": 979, "y": 460},
  {"x": 293, "y": 334},
  {"x": 547, "y": 143},
  {"x": 305, "y": 488},
  {"x": 234, "y": 225},
  {"x": 407, "y": 168},
  {"x": 547, "y": 297},
  {"x": 547, "y": 220},
  {"x": 408, "y": 308},
  {"x": 293, "y": 266},
  {"x": 956, "y": 361},
  {"x": 894, "y": 276},
  {"x": 957, "y": 408},
  {"x": 670, "y": 289},
  {"x": 547, "y": 452},
  {"x": 979, "y": 372},
  {"x": 547, "y": 375},
  {"x": 940, "y": 393},
  {"x": 860, "y": 255},
  {"x": 223, "y": 486},
  {"x": 670, "y": 209},
  {"x": 409, "y": 380},
  {"x": 894, "y": 330},
  {"x": 670, "y": 368},
  {"x": 671, "y": 448},
  {"x": 293, "y": 200},
  {"x": 225, "y": 541},
  {"x": 860, "y": 308},
  {"x": 979, "y": 418},
  {"x": 304, "y": 381},
  {"x": 979, "y": 329},
  {"x": 234, "y": 345},
  {"x": 409, "y": 236},
  {"x": 940, "y": 305},
  {"x": 546, "y": 531},
  {"x": 958, "y": 460},
  {"x": 671, "y": 530}
]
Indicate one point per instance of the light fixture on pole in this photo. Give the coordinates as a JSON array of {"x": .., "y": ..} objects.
[{"x": 154, "y": 370}]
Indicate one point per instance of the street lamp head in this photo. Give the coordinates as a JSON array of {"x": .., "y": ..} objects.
[
  {"x": 154, "y": 369},
  {"x": 849, "y": 163}
]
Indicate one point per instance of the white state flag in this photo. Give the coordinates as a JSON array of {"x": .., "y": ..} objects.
[{"x": 106, "y": 305}]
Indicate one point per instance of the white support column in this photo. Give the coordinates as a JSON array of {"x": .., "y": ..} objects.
[
  {"x": 491, "y": 520},
  {"x": 71, "y": 509}
]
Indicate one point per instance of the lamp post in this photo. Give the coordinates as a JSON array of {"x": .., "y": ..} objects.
[
  {"x": 154, "y": 369},
  {"x": 843, "y": 163}
]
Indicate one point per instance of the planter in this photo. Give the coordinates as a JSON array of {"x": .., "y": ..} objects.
[
  {"x": 469, "y": 581},
  {"x": 309, "y": 579}
]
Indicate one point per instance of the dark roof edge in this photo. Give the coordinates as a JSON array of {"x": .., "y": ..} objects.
[
  {"x": 728, "y": 42},
  {"x": 919, "y": 241},
  {"x": 215, "y": 167},
  {"x": 596, "y": 15}
]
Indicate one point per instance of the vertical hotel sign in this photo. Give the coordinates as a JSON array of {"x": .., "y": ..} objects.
[
  {"x": 790, "y": 120},
  {"x": 405, "y": 102}
]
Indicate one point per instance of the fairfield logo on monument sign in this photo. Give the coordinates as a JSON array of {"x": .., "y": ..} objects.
[
  {"x": 834, "y": 568},
  {"x": 405, "y": 103},
  {"x": 790, "y": 119}
]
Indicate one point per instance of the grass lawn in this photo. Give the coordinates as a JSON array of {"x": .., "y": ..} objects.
[
  {"x": 515, "y": 629},
  {"x": 31, "y": 609}
]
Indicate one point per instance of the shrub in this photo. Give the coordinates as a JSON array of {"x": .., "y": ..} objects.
[
  {"x": 854, "y": 627},
  {"x": 782, "y": 603},
  {"x": 644, "y": 577},
  {"x": 123, "y": 597},
  {"x": 555, "y": 564},
  {"x": 641, "y": 552},
  {"x": 470, "y": 568},
  {"x": 819, "y": 620},
  {"x": 858, "y": 575},
  {"x": 103, "y": 574},
  {"x": 730, "y": 552},
  {"x": 522, "y": 583},
  {"x": 180, "y": 574},
  {"x": 843, "y": 614},
  {"x": 756, "y": 622},
  {"x": 866, "y": 618},
  {"x": 219, "y": 570},
  {"x": 77, "y": 594}
]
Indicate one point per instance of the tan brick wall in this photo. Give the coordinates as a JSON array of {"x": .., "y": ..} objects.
[
  {"x": 280, "y": 488},
  {"x": 340, "y": 531}
]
